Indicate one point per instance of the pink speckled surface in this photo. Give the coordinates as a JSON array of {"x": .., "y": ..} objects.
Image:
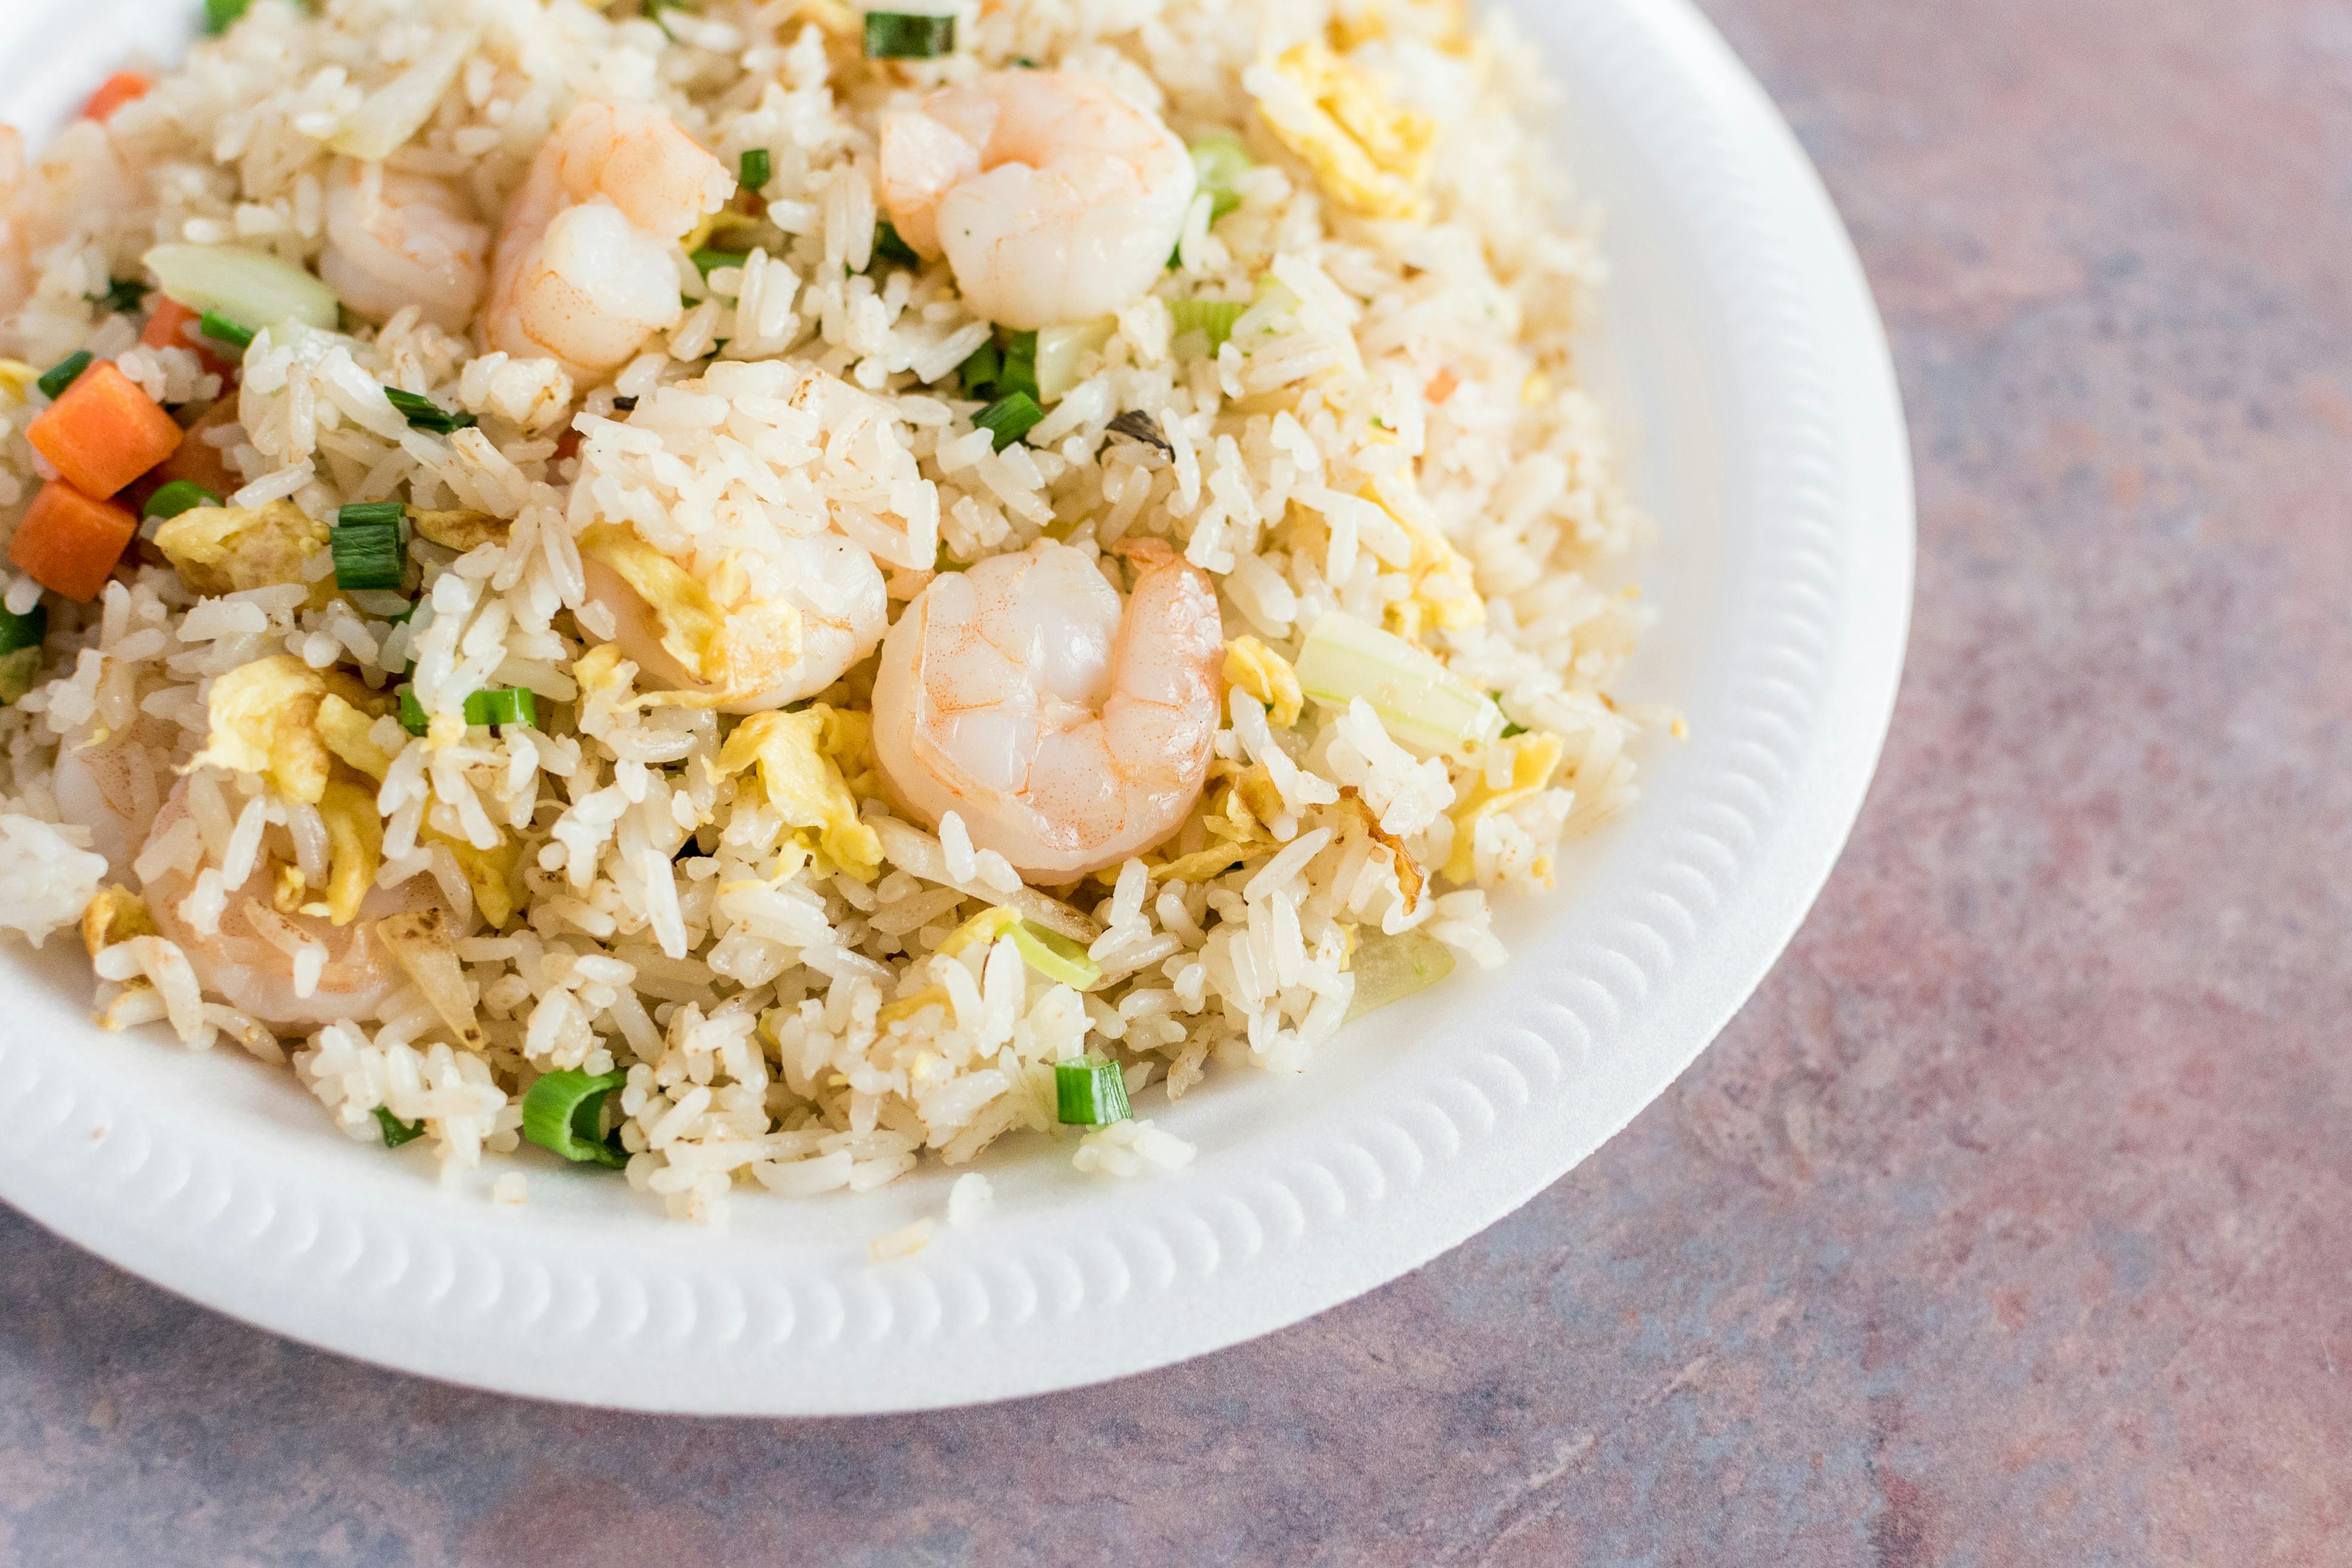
[{"x": 2012, "y": 1223}]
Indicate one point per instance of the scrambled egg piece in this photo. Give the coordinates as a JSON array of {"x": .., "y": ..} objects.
[
  {"x": 1409, "y": 876},
  {"x": 494, "y": 875},
  {"x": 1367, "y": 20},
  {"x": 1369, "y": 154},
  {"x": 354, "y": 847},
  {"x": 459, "y": 530},
  {"x": 1254, "y": 667},
  {"x": 349, "y": 733},
  {"x": 737, "y": 645},
  {"x": 983, "y": 927},
  {"x": 265, "y": 719},
  {"x": 1237, "y": 819},
  {"x": 1534, "y": 757},
  {"x": 15, "y": 375},
  {"x": 232, "y": 549},
  {"x": 117, "y": 914},
  {"x": 804, "y": 782}
]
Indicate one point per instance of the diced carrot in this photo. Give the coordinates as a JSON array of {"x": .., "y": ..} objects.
[
  {"x": 198, "y": 461},
  {"x": 69, "y": 542},
  {"x": 104, "y": 431},
  {"x": 118, "y": 90},
  {"x": 168, "y": 328}
]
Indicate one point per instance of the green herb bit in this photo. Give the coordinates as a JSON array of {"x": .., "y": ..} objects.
[
  {"x": 1090, "y": 1091},
  {"x": 752, "y": 170},
  {"x": 564, "y": 1113},
  {"x": 890, "y": 246},
  {"x": 122, "y": 296},
  {"x": 908, "y": 35},
  {"x": 1009, "y": 418},
  {"x": 220, "y": 15},
  {"x": 412, "y": 717},
  {"x": 221, "y": 330},
  {"x": 63, "y": 374},
  {"x": 395, "y": 1130},
  {"x": 179, "y": 495},
  {"x": 370, "y": 554},
  {"x": 708, "y": 261},
  {"x": 424, "y": 414},
  {"x": 503, "y": 705}
]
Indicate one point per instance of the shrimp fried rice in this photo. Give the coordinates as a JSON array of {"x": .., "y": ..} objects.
[{"x": 755, "y": 593}]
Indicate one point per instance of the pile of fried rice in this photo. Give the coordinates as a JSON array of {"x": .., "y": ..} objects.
[{"x": 794, "y": 981}]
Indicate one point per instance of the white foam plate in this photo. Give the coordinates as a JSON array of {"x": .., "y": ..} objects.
[{"x": 1746, "y": 365}]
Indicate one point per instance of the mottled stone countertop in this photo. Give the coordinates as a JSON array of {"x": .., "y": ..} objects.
[{"x": 2011, "y": 1224}]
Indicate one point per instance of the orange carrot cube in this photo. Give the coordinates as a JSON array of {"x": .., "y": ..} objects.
[
  {"x": 114, "y": 93},
  {"x": 104, "y": 431},
  {"x": 69, "y": 542}
]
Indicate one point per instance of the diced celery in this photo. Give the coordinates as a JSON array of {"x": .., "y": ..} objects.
[
  {"x": 1060, "y": 351},
  {"x": 250, "y": 287},
  {"x": 1425, "y": 706}
]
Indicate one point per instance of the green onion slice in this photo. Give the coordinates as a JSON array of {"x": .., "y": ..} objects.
[
  {"x": 564, "y": 1112},
  {"x": 980, "y": 372},
  {"x": 368, "y": 555},
  {"x": 503, "y": 705},
  {"x": 1020, "y": 372},
  {"x": 1220, "y": 161},
  {"x": 20, "y": 651},
  {"x": 1423, "y": 705},
  {"x": 122, "y": 296},
  {"x": 221, "y": 330},
  {"x": 1090, "y": 1092},
  {"x": 222, "y": 15},
  {"x": 891, "y": 245},
  {"x": 1214, "y": 318},
  {"x": 752, "y": 170},
  {"x": 1009, "y": 418},
  {"x": 908, "y": 35},
  {"x": 424, "y": 414},
  {"x": 412, "y": 717},
  {"x": 1055, "y": 956},
  {"x": 395, "y": 1130},
  {"x": 23, "y": 631},
  {"x": 708, "y": 260},
  {"x": 179, "y": 495},
  {"x": 63, "y": 374},
  {"x": 372, "y": 511}
]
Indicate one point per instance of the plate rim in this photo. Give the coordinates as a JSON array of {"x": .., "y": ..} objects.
[{"x": 442, "y": 1290}]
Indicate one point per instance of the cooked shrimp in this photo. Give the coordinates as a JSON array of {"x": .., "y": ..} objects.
[
  {"x": 764, "y": 632},
  {"x": 1054, "y": 199},
  {"x": 249, "y": 961},
  {"x": 113, "y": 788},
  {"x": 1067, "y": 733},
  {"x": 395, "y": 240},
  {"x": 587, "y": 261}
]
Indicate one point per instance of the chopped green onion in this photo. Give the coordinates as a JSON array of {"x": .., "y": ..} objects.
[
  {"x": 1425, "y": 706},
  {"x": 1220, "y": 161},
  {"x": 980, "y": 370},
  {"x": 1060, "y": 351},
  {"x": 20, "y": 651},
  {"x": 1510, "y": 727},
  {"x": 221, "y": 330},
  {"x": 395, "y": 1130},
  {"x": 1022, "y": 62},
  {"x": 412, "y": 717},
  {"x": 890, "y": 246},
  {"x": 222, "y": 15},
  {"x": 1090, "y": 1091},
  {"x": 424, "y": 414},
  {"x": 1391, "y": 968},
  {"x": 908, "y": 35},
  {"x": 1055, "y": 956},
  {"x": 752, "y": 171},
  {"x": 1214, "y": 318},
  {"x": 564, "y": 1112},
  {"x": 179, "y": 495},
  {"x": 122, "y": 295},
  {"x": 708, "y": 260},
  {"x": 503, "y": 705},
  {"x": 243, "y": 285},
  {"x": 369, "y": 554},
  {"x": 1009, "y": 418},
  {"x": 1020, "y": 372},
  {"x": 372, "y": 511},
  {"x": 63, "y": 374}
]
